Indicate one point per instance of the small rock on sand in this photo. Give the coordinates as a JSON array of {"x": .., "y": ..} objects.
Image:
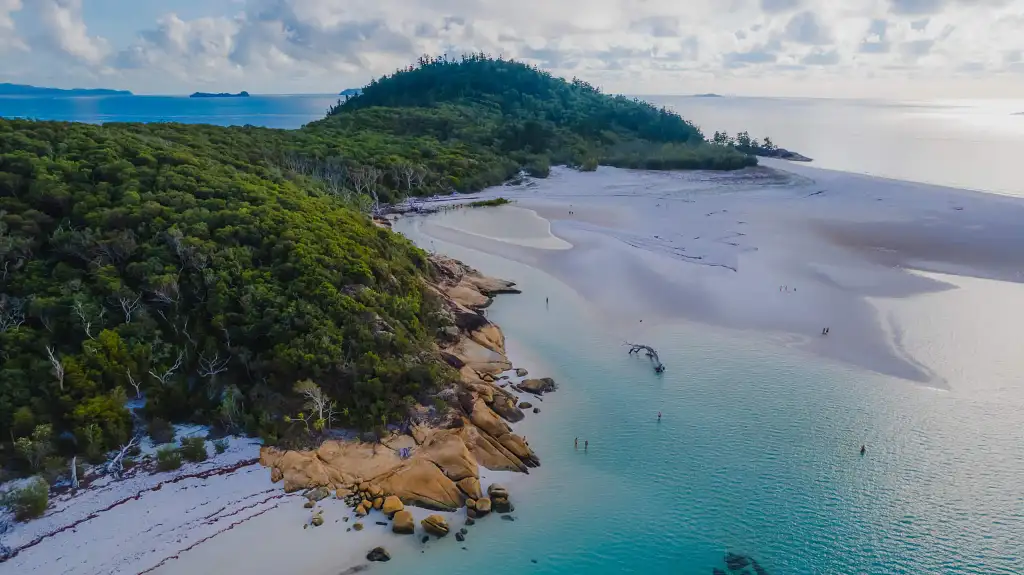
[{"x": 378, "y": 554}]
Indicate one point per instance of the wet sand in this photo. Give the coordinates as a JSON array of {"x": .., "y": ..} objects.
[{"x": 783, "y": 250}]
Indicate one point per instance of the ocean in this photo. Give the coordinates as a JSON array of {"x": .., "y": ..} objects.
[
  {"x": 971, "y": 144},
  {"x": 757, "y": 453}
]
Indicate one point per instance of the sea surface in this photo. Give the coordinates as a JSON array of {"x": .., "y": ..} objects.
[
  {"x": 757, "y": 451},
  {"x": 971, "y": 144}
]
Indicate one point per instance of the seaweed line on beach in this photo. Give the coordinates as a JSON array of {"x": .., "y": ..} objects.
[
  {"x": 208, "y": 537},
  {"x": 198, "y": 475}
]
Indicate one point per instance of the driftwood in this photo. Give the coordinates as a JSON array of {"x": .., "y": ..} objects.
[{"x": 651, "y": 353}]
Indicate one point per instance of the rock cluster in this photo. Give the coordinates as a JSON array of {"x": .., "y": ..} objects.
[{"x": 435, "y": 466}]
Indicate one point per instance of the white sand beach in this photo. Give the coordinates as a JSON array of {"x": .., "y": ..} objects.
[{"x": 784, "y": 250}]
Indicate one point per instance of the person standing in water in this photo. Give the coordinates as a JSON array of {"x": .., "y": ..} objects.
[
  {"x": 862, "y": 450},
  {"x": 576, "y": 443},
  {"x": 586, "y": 444},
  {"x": 659, "y": 417}
]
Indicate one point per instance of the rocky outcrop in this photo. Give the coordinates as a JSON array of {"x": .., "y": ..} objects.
[
  {"x": 403, "y": 523},
  {"x": 435, "y": 525},
  {"x": 421, "y": 483},
  {"x": 471, "y": 487},
  {"x": 438, "y": 467},
  {"x": 499, "y": 498},
  {"x": 483, "y": 506}
]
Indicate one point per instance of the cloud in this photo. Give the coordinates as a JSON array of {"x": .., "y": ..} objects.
[
  {"x": 649, "y": 46},
  {"x": 805, "y": 28},
  {"x": 66, "y": 31},
  {"x": 777, "y": 6},
  {"x": 821, "y": 58},
  {"x": 9, "y": 39}
]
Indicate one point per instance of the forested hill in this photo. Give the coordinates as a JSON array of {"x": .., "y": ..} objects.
[{"x": 192, "y": 272}]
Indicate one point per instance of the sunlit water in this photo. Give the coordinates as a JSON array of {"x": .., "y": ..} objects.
[
  {"x": 965, "y": 144},
  {"x": 757, "y": 453}
]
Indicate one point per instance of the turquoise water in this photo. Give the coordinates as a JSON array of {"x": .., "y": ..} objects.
[
  {"x": 757, "y": 453},
  {"x": 268, "y": 111}
]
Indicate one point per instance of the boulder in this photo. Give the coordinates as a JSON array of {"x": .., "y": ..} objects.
[
  {"x": 497, "y": 490},
  {"x": 459, "y": 536},
  {"x": 357, "y": 526},
  {"x": 525, "y": 405},
  {"x": 420, "y": 482},
  {"x": 502, "y": 506},
  {"x": 403, "y": 523},
  {"x": 483, "y": 507},
  {"x": 309, "y": 504},
  {"x": 378, "y": 554},
  {"x": 317, "y": 521},
  {"x": 376, "y": 491},
  {"x": 470, "y": 522},
  {"x": 471, "y": 487},
  {"x": 318, "y": 494},
  {"x": 536, "y": 410},
  {"x": 378, "y": 502},
  {"x": 538, "y": 386},
  {"x": 520, "y": 372},
  {"x": 435, "y": 525},
  {"x": 276, "y": 475},
  {"x": 391, "y": 505},
  {"x": 507, "y": 409},
  {"x": 363, "y": 508},
  {"x": 471, "y": 504}
]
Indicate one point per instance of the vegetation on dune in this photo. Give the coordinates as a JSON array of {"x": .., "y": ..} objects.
[{"x": 211, "y": 274}]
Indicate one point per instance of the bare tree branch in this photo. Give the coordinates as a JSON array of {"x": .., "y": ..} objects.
[
  {"x": 12, "y": 313},
  {"x": 163, "y": 379},
  {"x": 58, "y": 367},
  {"x": 213, "y": 366},
  {"x": 116, "y": 465},
  {"x": 79, "y": 308},
  {"x": 135, "y": 384},
  {"x": 128, "y": 306}
]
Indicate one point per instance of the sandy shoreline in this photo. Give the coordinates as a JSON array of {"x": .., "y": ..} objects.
[{"x": 783, "y": 250}]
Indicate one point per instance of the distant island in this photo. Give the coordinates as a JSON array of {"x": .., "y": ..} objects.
[
  {"x": 7, "y": 89},
  {"x": 708, "y": 95},
  {"x": 242, "y": 94},
  {"x": 349, "y": 92}
]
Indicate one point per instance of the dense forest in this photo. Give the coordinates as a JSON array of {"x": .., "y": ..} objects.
[{"x": 168, "y": 272}]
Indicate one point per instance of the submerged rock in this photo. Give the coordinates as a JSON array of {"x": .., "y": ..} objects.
[
  {"x": 525, "y": 405},
  {"x": 520, "y": 372},
  {"x": 735, "y": 561},
  {"x": 459, "y": 536}
]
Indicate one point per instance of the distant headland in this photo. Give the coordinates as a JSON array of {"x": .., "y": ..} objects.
[
  {"x": 708, "y": 95},
  {"x": 242, "y": 94},
  {"x": 7, "y": 89},
  {"x": 349, "y": 92}
]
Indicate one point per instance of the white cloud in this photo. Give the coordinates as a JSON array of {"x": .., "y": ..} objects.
[
  {"x": 62, "y": 20},
  {"x": 9, "y": 39},
  {"x": 863, "y": 47}
]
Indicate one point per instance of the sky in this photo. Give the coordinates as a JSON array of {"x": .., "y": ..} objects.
[{"x": 907, "y": 49}]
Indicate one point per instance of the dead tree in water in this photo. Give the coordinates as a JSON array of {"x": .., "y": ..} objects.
[{"x": 638, "y": 347}]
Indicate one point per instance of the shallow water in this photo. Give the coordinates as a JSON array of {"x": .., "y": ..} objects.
[{"x": 757, "y": 453}]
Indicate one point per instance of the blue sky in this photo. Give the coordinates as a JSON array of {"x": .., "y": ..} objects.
[{"x": 911, "y": 49}]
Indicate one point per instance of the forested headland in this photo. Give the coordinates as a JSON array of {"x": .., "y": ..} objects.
[{"x": 169, "y": 272}]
